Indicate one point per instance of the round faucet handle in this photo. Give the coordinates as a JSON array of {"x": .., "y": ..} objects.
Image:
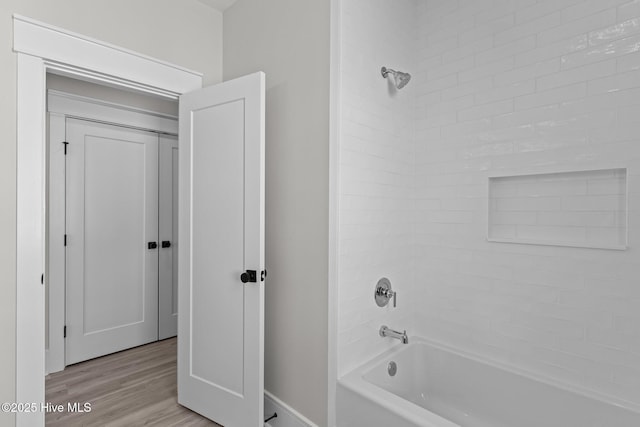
[{"x": 383, "y": 293}]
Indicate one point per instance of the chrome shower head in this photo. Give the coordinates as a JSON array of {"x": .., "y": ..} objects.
[{"x": 400, "y": 79}]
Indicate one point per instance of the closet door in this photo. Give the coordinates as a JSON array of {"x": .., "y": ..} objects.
[
  {"x": 112, "y": 239},
  {"x": 168, "y": 256}
]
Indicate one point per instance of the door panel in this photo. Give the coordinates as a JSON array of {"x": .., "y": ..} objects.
[
  {"x": 168, "y": 256},
  {"x": 112, "y": 212},
  {"x": 221, "y": 319},
  {"x": 218, "y": 245}
]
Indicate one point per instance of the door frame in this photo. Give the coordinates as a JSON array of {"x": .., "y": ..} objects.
[
  {"x": 60, "y": 107},
  {"x": 42, "y": 48}
]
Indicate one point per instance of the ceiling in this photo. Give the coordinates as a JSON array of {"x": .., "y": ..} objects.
[{"x": 220, "y": 5}]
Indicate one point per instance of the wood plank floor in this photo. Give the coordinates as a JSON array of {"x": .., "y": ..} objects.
[{"x": 135, "y": 387}]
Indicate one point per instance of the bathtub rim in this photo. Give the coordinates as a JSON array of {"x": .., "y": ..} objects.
[{"x": 355, "y": 381}]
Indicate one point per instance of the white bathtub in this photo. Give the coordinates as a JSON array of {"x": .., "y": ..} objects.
[{"x": 439, "y": 387}]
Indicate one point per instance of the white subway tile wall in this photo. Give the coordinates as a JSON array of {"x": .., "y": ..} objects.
[
  {"x": 500, "y": 87},
  {"x": 377, "y": 206}
]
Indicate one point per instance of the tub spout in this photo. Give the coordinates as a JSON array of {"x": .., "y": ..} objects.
[{"x": 386, "y": 332}]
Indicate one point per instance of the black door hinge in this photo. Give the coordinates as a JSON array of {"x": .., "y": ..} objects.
[
  {"x": 65, "y": 147},
  {"x": 65, "y": 240},
  {"x": 263, "y": 275},
  {"x": 42, "y": 279},
  {"x": 65, "y": 331}
]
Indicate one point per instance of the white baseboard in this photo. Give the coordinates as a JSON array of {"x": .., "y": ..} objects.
[{"x": 287, "y": 416}]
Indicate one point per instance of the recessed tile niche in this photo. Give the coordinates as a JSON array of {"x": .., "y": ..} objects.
[{"x": 580, "y": 209}]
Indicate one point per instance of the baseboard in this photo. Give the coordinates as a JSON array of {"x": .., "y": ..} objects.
[{"x": 287, "y": 416}]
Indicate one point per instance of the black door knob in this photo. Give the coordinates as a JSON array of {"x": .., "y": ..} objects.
[
  {"x": 166, "y": 244},
  {"x": 249, "y": 276},
  {"x": 152, "y": 245}
]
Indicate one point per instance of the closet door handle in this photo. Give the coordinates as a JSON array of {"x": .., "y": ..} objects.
[
  {"x": 249, "y": 276},
  {"x": 166, "y": 244},
  {"x": 152, "y": 245}
]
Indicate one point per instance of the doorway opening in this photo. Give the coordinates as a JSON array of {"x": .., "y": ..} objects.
[
  {"x": 112, "y": 185},
  {"x": 112, "y": 189}
]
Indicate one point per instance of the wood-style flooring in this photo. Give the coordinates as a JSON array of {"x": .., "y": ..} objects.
[{"x": 135, "y": 387}]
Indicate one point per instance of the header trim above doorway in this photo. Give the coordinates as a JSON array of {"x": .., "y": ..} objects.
[{"x": 78, "y": 56}]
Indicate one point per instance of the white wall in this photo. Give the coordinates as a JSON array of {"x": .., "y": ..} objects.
[
  {"x": 188, "y": 34},
  {"x": 519, "y": 86},
  {"x": 117, "y": 96},
  {"x": 376, "y": 203},
  {"x": 289, "y": 41}
]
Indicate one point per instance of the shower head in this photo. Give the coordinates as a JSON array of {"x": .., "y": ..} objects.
[{"x": 401, "y": 79}]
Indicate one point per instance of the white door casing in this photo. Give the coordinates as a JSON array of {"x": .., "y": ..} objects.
[
  {"x": 168, "y": 229},
  {"x": 221, "y": 210},
  {"x": 112, "y": 215},
  {"x": 42, "y": 48}
]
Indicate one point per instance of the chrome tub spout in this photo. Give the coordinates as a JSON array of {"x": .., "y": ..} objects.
[{"x": 386, "y": 332}]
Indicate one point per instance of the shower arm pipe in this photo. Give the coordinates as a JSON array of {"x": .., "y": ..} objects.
[{"x": 385, "y": 71}]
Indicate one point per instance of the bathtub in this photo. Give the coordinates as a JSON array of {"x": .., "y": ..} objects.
[{"x": 436, "y": 386}]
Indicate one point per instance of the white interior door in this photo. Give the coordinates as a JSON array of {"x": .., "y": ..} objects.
[
  {"x": 168, "y": 255},
  {"x": 221, "y": 319},
  {"x": 112, "y": 214}
]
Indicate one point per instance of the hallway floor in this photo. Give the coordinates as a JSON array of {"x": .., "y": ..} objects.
[{"x": 135, "y": 387}]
